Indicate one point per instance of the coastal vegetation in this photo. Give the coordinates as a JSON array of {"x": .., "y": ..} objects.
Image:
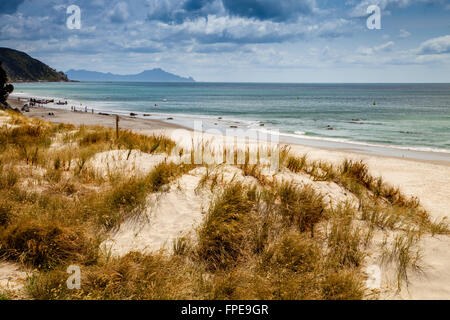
[
  {"x": 19, "y": 67},
  {"x": 5, "y": 88},
  {"x": 264, "y": 236}
]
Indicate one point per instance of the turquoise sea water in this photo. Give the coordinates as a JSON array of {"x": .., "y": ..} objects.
[{"x": 415, "y": 116}]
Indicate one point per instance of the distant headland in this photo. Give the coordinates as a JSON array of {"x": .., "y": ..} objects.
[
  {"x": 154, "y": 75},
  {"x": 20, "y": 67}
]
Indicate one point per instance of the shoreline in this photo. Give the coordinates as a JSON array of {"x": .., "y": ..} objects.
[
  {"x": 428, "y": 179},
  {"x": 141, "y": 123},
  {"x": 220, "y": 124}
]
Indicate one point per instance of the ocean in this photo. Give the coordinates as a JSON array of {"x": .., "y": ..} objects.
[{"x": 404, "y": 116}]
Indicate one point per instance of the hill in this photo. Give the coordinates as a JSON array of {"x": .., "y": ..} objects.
[
  {"x": 154, "y": 75},
  {"x": 20, "y": 67}
]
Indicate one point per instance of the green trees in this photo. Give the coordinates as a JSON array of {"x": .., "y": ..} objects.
[{"x": 5, "y": 88}]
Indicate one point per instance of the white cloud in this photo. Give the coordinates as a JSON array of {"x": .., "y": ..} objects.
[
  {"x": 385, "y": 47},
  {"x": 438, "y": 45},
  {"x": 219, "y": 29},
  {"x": 404, "y": 34},
  {"x": 360, "y": 10}
]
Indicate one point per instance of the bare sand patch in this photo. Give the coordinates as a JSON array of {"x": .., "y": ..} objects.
[
  {"x": 12, "y": 279},
  {"x": 125, "y": 161},
  {"x": 170, "y": 214}
]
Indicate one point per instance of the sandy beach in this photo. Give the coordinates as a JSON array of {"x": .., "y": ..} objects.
[{"x": 429, "y": 180}]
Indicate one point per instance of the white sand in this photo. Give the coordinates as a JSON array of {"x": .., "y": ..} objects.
[
  {"x": 12, "y": 278},
  {"x": 170, "y": 214},
  {"x": 124, "y": 161},
  {"x": 434, "y": 283},
  {"x": 4, "y": 119}
]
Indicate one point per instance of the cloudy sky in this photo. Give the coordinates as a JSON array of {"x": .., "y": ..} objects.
[{"x": 238, "y": 40}]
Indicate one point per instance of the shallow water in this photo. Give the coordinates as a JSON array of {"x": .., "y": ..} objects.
[{"x": 409, "y": 116}]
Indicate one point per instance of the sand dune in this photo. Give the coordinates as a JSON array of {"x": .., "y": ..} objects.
[{"x": 178, "y": 210}]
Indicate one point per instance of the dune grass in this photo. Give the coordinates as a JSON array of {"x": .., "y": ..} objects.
[
  {"x": 4, "y": 296},
  {"x": 223, "y": 235},
  {"x": 58, "y": 220},
  {"x": 383, "y": 207},
  {"x": 270, "y": 240}
]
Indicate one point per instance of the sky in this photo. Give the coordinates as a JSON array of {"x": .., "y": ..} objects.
[{"x": 238, "y": 40}]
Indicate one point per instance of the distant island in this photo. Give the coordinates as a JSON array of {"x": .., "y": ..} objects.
[
  {"x": 20, "y": 67},
  {"x": 154, "y": 75}
]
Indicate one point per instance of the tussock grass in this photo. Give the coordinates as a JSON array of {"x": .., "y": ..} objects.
[
  {"x": 404, "y": 253},
  {"x": 95, "y": 137},
  {"x": 296, "y": 164},
  {"x": 25, "y": 136},
  {"x": 294, "y": 252},
  {"x": 223, "y": 234},
  {"x": 147, "y": 144},
  {"x": 384, "y": 205},
  {"x": 62, "y": 222},
  {"x": 254, "y": 171},
  {"x": 128, "y": 140},
  {"x": 345, "y": 243},
  {"x": 212, "y": 179},
  {"x": 182, "y": 245},
  {"x": 134, "y": 276},
  {"x": 5, "y": 212},
  {"x": 440, "y": 227},
  {"x": 164, "y": 173},
  {"x": 8, "y": 177},
  {"x": 45, "y": 244},
  {"x": 302, "y": 207},
  {"x": 356, "y": 170},
  {"x": 344, "y": 285},
  {"x": 271, "y": 240}
]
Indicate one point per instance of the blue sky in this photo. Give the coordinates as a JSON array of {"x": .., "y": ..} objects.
[{"x": 238, "y": 40}]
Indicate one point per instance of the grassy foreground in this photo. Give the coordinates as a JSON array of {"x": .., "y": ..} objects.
[{"x": 272, "y": 239}]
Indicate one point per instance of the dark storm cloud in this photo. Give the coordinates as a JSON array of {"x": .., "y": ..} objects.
[
  {"x": 274, "y": 10},
  {"x": 9, "y": 6},
  {"x": 196, "y": 5},
  {"x": 176, "y": 11}
]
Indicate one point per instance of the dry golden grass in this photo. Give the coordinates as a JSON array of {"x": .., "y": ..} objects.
[
  {"x": 302, "y": 207},
  {"x": 221, "y": 239},
  {"x": 271, "y": 240}
]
